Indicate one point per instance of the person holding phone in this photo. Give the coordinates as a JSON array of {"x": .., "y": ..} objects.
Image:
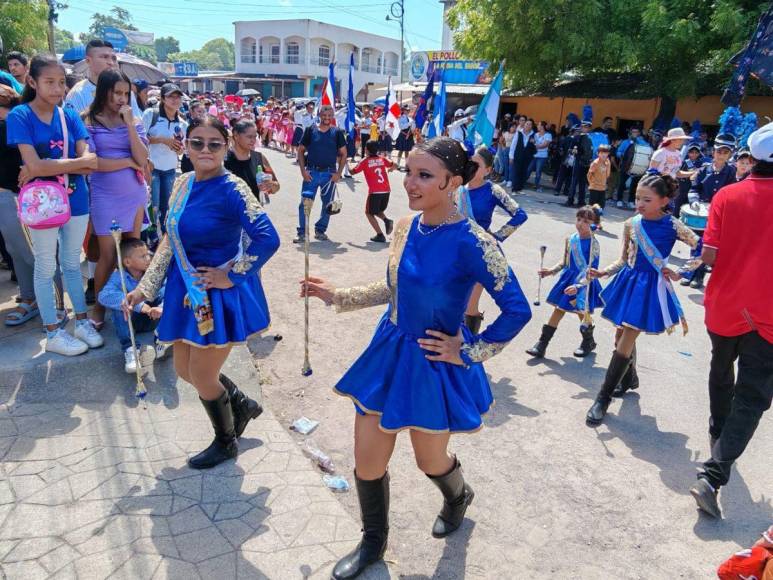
[{"x": 118, "y": 190}]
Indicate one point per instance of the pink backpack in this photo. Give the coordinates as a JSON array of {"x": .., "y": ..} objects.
[{"x": 45, "y": 204}]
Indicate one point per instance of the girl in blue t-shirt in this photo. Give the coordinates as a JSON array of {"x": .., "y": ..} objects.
[{"x": 35, "y": 126}]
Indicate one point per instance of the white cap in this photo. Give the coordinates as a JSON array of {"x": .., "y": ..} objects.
[
  {"x": 459, "y": 113},
  {"x": 761, "y": 143}
]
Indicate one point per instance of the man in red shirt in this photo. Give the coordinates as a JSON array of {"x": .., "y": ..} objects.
[
  {"x": 739, "y": 316},
  {"x": 375, "y": 168}
]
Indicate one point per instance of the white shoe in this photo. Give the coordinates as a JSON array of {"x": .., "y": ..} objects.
[
  {"x": 64, "y": 343},
  {"x": 162, "y": 350},
  {"x": 129, "y": 362},
  {"x": 88, "y": 334}
]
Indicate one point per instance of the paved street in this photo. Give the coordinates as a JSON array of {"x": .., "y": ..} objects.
[
  {"x": 553, "y": 497},
  {"x": 93, "y": 486}
]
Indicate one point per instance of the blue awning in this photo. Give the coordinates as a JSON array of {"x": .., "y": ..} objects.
[{"x": 74, "y": 54}]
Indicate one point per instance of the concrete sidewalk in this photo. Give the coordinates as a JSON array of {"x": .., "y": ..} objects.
[{"x": 93, "y": 485}]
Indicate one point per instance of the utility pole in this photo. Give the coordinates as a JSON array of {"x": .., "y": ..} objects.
[
  {"x": 397, "y": 13},
  {"x": 53, "y": 16}
]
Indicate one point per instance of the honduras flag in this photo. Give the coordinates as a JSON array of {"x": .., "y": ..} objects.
[
  {"x": 482, "y": 130},
  {"x": 350, "y": 118},
  {"x": 439, "y": 108}
]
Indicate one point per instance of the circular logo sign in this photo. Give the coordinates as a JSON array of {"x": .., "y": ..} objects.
[{"x": 419, "y": 63}]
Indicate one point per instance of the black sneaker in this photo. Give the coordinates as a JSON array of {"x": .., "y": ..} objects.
[
  {"x": 378, "y": 238},
  {"x": 389, "y": 225},
  {"x": 91, "y": 297},
  {"x": 321, "y": 236},
  {"x": 298, "y": 239},
  {"x": 706, "y": 498}
]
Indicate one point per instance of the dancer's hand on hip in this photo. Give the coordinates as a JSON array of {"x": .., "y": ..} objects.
[
  {"x": 318, "y": 288},
  {"x": 209, "y": 278},
  {"x": 132, "y": 299},
  {"x": 446, "y": 346}
]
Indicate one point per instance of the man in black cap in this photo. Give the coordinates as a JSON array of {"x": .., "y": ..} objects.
[{"x": 582, "y": 160}]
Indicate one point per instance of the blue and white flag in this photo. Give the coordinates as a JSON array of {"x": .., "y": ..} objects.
[
  {"x": 439, "y": 111},
  {"x": 350, "y": 118},
  {"x": 420, "y": 117},
  {"x": 482, "y": 130}
]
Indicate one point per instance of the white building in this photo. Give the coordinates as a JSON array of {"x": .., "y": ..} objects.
[
  {"x": 289, "y": 58},
  {"x": 448, "y": 37}
]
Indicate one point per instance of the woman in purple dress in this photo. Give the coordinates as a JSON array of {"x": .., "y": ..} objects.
[{"x": 118, "y": 190}]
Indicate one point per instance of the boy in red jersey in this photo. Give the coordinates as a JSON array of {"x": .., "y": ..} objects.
[{"x": 375, "y": 168}]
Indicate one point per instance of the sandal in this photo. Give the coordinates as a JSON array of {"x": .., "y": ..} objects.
[{"x": 24, "y": 312}]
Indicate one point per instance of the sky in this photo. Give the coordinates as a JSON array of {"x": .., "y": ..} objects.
[{"x": 194, "y": 22}]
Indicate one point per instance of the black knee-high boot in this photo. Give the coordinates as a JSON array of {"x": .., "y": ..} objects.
[
  {"x": 223, "y": 446},
  {"x": 374, "y": 509},
  {"x": 617, "y": 368},
  {"x": 538, "y": 350},
  {"x": 630, "y": 380},
  {"x": 588, "y": 344},
  {"x": 244, "y": 409},
  {"x": 457, "y": 495}
]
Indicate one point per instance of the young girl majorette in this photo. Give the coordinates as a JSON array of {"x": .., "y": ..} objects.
[
  {"x": 571, "y": 292},
  {"x": 641, "y": 298},
  {"x": 422, "y": 370},
  {"x": 477, "y": 200}
]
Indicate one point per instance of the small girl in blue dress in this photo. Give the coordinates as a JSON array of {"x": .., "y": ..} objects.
[
  {"x": 477, "y": 201},
  {"x": 422, "y": 370},
  {"x": 570, "y": 293},
  {"x": 640, "y": 298},
  {"x": 213, "y": 298}
]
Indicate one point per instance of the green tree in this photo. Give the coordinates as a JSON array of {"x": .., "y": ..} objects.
[
  {"x": 63, "y": 40},
  {"x": 165, "y": 45},
  {"x": 117, "y": 17},
  {"x": 23, "y": 25},
  {"x": 674, "y": 44},
  {"x": 217, "y": 54}
]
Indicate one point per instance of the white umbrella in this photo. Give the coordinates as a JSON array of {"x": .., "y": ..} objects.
[
  {"x": 248, "y": 93},
  {"x": 133, "y": 67}
]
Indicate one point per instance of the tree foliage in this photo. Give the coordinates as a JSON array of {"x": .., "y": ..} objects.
[
  {"x": 63, "y": 40},
  {"x": 217, "y": 54},
  {"x": 23, "y": 25},
  {"x": 166, "y": 44},
  {"x": 672, "y": 43}
]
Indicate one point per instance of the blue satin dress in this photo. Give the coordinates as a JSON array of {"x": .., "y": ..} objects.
[
  {"x": 479, "y": 204},
  {"x": 218, "y": 212},
  {"x": 571, "y": 273},
  {"x": 633, "y": 298},
  {"x": 428, "y": 284}
]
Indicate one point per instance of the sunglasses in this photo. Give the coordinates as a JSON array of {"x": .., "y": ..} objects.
[{"x": 199, "y": 144}]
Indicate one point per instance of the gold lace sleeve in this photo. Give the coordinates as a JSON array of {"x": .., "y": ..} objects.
[
  {"x": 154, "y": 276},
  {"x": 684, "y": 233},
  {"x": 480, "y": 350},
  {"x": 348, "y": 299},
  {"x": 618, "y": 264},
  {"x": 563, "y": 262}
]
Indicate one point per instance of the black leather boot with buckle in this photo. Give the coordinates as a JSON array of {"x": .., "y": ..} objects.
[
  {"x": 224, "y": 446},
  {"x": 244, "y": 409},
  {"x": 630, "y": 380},
  {"x": 617, "y": 368},
  {"x": 588, "y": 344},
  {"x": 538, "y": 350}
]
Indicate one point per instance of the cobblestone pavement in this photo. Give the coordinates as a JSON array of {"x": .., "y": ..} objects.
[{"x": 93, "y": 485}]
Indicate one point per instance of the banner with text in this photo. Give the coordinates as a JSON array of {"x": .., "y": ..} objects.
[{"x": 456, "y": 70}]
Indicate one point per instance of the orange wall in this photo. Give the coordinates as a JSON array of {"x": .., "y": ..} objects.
[{"x": 705, "y": 109}]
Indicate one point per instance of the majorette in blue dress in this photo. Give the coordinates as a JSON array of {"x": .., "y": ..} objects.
[
  {"x": 211, "y": 225},
  {"x": 639, "y": 296},
  {"x": 479, "y": 204},
  {"x": 428, "y": 283},
  {"x": 578, "y": 254}
]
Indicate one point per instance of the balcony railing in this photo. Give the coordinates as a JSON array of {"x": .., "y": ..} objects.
[
  {"x": 248, "y": 58},
  {"x": 371, "y": 68},
  {"x": 294, "y": 59},
  {"x": 269, "y": 59},
  {"x": 319, "y": 61},
  {"x": 390, "y": 71}
]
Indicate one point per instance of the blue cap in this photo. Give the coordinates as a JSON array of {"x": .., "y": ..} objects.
[{"x": 141, "y": 84}]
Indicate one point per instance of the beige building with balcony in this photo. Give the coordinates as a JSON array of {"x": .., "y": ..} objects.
[{"x": 290, "y": 58}]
